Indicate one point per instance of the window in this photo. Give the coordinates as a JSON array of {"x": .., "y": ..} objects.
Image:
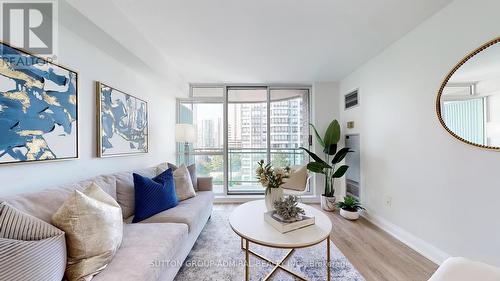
[
  {"x": 289, "y": 127},
  {"x": 207, "y": 152},
  {"x": 242, "y": 126},
  {"x": 207, "y": 92},
  {"x": 248, "y": 143},
  {"x": 471, "y": 129}
]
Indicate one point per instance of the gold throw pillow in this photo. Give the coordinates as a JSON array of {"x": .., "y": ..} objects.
[{"x": 92, "y": 220}]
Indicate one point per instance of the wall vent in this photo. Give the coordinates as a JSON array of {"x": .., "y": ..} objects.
[{"x": 351, "y": 99}]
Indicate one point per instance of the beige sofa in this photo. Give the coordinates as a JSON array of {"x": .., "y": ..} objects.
[{"x": 151, "y": 250}]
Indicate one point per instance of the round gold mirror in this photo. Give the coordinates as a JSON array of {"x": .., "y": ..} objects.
[{"x": 468, "y": 102}]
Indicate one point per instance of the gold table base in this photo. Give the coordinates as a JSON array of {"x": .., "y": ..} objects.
[{"x": 279, "y": 265}]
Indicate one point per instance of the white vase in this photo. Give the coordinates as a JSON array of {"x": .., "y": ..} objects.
[
  {"x": 328, "y": 203},
  {"x": 274, "y": 194},
  {"x": 349, "y": 215}
]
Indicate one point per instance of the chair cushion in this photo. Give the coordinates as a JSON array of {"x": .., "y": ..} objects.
[
  {"x": 297, "y": 179},
  {"x": 146, "y": 250},
  {"x": 125, "y": 194},
  {"x": 93, "y": 224},
  {"x": 187, "y": 212},
  {"x": 23, "y": 240},
  {"x": 153, "y": 195},
  {"x": 43, "y": 204},
  {"x": 462, "y": 269}
]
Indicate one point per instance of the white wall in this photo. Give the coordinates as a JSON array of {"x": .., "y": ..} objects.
[
  {"x": 95, "y": 58},
  {"x": 445, "y": 193},
  {"x": 325, "y": 109}
]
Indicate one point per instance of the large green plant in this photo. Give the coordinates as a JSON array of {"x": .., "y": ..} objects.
[{"x": 333, "y": 156}]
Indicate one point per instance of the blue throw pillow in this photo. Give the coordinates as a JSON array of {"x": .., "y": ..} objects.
[
  {"x": 165, "y": 177},
  {"x": 153, "y": 195}
]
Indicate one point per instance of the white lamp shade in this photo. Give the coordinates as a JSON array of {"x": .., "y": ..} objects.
[{"x": 185, "y": 133}]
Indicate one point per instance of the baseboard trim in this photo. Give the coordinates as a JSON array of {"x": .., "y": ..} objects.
[{"x": 422, "y": 247}]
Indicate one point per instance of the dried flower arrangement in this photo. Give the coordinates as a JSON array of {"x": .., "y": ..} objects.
[{"x": 270, "y": 177}]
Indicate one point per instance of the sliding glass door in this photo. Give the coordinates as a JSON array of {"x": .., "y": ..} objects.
[
  {"x": 242, "y": 125},
  {"x": 289, "y": 126},
  {"x": 247, "y": 136}
]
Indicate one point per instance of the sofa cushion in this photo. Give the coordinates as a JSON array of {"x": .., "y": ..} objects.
[
  {"x": 23, "y": 240},
  {"x": 153, "y": 195},
  {"x": 125, "y": 194},
  {"x": 191, "y": 168},
  {"x": 93, "y": 224},
  {"x": 187, "y": 212},
  {"x": 183, "y": 184},
  {"x": 43, "y": 204},
  {"x": 146, "y": 251}
]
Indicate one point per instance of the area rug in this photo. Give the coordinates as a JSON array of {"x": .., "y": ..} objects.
[{"x": 217, "y": 255}]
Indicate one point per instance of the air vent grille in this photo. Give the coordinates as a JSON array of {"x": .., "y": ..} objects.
[{"x": 351, "y": 99}]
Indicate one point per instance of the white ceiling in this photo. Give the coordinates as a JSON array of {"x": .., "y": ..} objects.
[{"x": 256, "y": 41}]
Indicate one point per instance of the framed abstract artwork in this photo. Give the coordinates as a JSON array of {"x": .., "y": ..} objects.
[
  {"x": 38, "y": 108},
  {"x": 122, "y": 123}
]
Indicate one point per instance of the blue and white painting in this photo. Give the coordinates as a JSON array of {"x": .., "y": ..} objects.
[
  {"x": 123, "y": 123},
  {"x": 38, "y": 108}
]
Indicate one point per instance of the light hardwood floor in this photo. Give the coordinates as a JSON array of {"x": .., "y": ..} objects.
[{"x": 376, "y": 255}]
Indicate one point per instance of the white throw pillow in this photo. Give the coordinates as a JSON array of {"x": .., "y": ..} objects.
[
  {"x": 183, "y": 186},
  {"x": 297, "y": 179}
]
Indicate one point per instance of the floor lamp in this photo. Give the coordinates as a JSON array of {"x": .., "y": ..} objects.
[{"x": 185, "y": 133}]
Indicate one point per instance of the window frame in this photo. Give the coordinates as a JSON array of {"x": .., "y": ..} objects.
[{"x": 225, "y": 102}]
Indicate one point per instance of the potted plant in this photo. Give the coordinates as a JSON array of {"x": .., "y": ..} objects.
[
  {"x": 327, "y": 166},
  {"x": 350, "y": 208},
  {"x": 272, "y": 179}
]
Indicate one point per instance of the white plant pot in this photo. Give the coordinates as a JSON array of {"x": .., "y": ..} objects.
[
  {"x": 349, "y": 215},
  {"x": 274, "y": 195},
  {"x": 328, "y": 203}
]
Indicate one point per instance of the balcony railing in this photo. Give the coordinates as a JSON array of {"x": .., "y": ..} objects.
[
  {"x": 241, "y": 166},
  {"x": 243, "y": 163}
]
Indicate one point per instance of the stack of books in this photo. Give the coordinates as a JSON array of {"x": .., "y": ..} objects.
[{"x": 283, "y": 225}]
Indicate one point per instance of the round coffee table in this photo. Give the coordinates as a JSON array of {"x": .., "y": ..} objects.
[{"x": 247, "y": 220}]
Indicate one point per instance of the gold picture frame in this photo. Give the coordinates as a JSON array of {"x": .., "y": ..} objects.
[
  {"x": 73, "y": 77},
  {"x": 103, "y": 138}
]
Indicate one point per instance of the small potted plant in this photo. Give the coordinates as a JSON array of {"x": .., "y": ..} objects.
[{"x": 350, "y": 208}]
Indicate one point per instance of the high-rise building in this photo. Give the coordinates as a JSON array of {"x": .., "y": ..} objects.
[
  {"x": 286, "y": 128},
  {"x": 210, "y": 133},
  {"x": 207, "y": 133}
]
